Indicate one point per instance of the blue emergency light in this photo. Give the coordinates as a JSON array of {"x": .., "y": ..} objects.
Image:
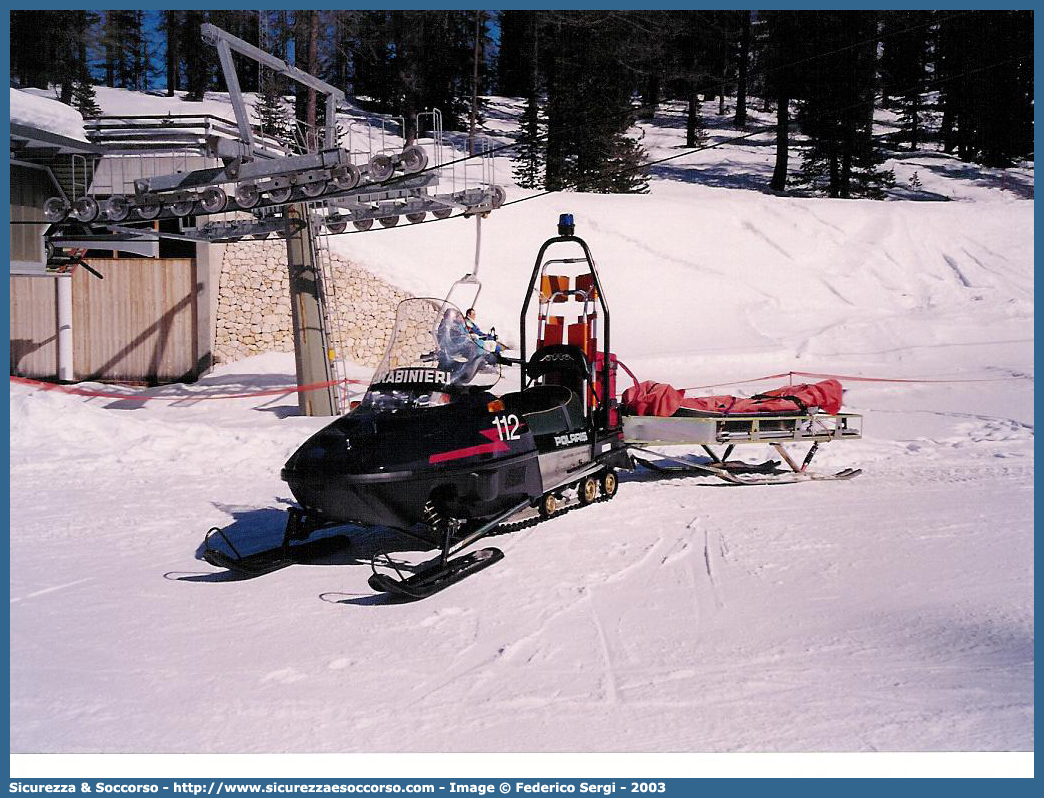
[{"x": 565, "y": 224}]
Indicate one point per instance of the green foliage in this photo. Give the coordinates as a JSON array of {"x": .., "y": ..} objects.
[
  {"x": 271, "y": 111},
  {"x": 85, "y": 99},
  {"x": 842, "y": 156},
  {"x": 589, "y": 110},
  {"x": 985, "y": 68},
  {"x": 530, "y": 156}
]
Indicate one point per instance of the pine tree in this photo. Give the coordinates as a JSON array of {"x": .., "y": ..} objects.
[
  {"x": 339, "y": 48},
  {"x": 904, "y": 70},
  {"x": 685, "y": 69},
  {"x": 836, "y": 114},
  {"x": 63, "y": 42},
  {"x": 651, "y": 30},
  {"x": 50, "y": 48},
  {"x": 85, "y": 99},
  {"x": 244, "y": 25},
  {"x": 30, "y": 61},
  {"x": 624, "y": 167},
  {"x": 126, "y": 45},
  {"x": 197, "y": 59},
  {"x": 271, "y": 112},
  {"x": 172, "y": 26},
  {"x": 530, "y": 156},
  {"x": 589, "y": 107},
  {"x": 985, "y": 71},
  {"x": 368, "y": 42},
  {"x": 514, "y": 60},
  {"x": 784, "y": 55},
  {"x": 744, "y": 62}
]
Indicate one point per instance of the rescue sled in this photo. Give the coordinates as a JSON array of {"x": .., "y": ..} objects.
[{"x": 658, "y": 415}]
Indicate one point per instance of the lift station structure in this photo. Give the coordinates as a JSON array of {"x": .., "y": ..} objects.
[{"x": 223, "y": 184}]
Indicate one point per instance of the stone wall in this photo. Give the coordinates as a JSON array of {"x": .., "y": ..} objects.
[{"x": 253, "y": 307}]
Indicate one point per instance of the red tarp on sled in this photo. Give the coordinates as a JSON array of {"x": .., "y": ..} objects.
[{"x": 660, "y": 399}]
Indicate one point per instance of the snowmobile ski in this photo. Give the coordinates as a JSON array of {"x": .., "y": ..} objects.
[
  {"x": 436, "y": 575},
  {"x": 269, "y": 560}
]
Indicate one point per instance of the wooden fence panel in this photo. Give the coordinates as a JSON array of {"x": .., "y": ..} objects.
[
  {"x": 34, "y": 327},
  {"x": 30, "y": 188},
  {"x": 139, "y": 323}
]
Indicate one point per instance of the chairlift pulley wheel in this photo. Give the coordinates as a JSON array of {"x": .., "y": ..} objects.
[
  {"x": 213, "y": 199},
  {"x": 346, "y": 177},
  {"x": 414, "y": 159},
  {"x": 363, "y": 224},
  {"x": 388, "y": 221},
  {"x": 336, "y": 224},
  {"x": 85, "y": 209},
  {"x": 442, "y": 213},
  {"x": 499, "y": 195},
  {"x": 280, "y": 194},
  {"x": 414, "y": 218},
  {"x": 183, "y": 207},
  {"x": 381, "y": 167},
  {"x": 312, "y": 190},
  {"x": 117, "y": 208},
  {"x": 150, "y": 208},
  {"x": 247, "y": 195},
  {"x": 56, "y": 209}
]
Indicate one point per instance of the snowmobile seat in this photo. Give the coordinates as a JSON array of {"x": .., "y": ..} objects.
[
  {"x": 548, "y": 409},
  {"x": 560, "y": 364}
]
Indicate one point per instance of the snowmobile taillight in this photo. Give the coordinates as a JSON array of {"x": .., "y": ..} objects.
[{"x": 496, "y": 406}]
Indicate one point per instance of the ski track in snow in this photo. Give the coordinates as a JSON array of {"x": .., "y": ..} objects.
[{"x": 892, "y": 612}]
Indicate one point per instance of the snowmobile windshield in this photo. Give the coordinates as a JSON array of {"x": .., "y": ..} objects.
[{"x": 431, "y": 358}]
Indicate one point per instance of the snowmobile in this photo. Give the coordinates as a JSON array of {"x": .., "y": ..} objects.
[{"x": 432, "y": 452}]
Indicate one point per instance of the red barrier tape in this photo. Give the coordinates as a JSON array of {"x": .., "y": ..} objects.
[
  {"x": 845, "y": 377},
  {"x": 73, "y": 390},
  {"x": 315, "y": 386}
]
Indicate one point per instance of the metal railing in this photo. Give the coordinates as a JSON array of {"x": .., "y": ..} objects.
[{"x": 150, "y": 131}]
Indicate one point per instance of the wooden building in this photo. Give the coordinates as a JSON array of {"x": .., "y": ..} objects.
[{"x": 150, "y": 316}]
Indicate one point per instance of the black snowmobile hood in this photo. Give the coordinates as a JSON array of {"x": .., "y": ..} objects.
[{"x": 368, "y": 442}]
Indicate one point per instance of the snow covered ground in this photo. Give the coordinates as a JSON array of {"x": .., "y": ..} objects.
[{"x": 893, "y": 612}]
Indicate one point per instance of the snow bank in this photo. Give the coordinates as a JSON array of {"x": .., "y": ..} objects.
[
  {"x": 36, "y": 110},
  {"x": 714, "y": 284}
]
